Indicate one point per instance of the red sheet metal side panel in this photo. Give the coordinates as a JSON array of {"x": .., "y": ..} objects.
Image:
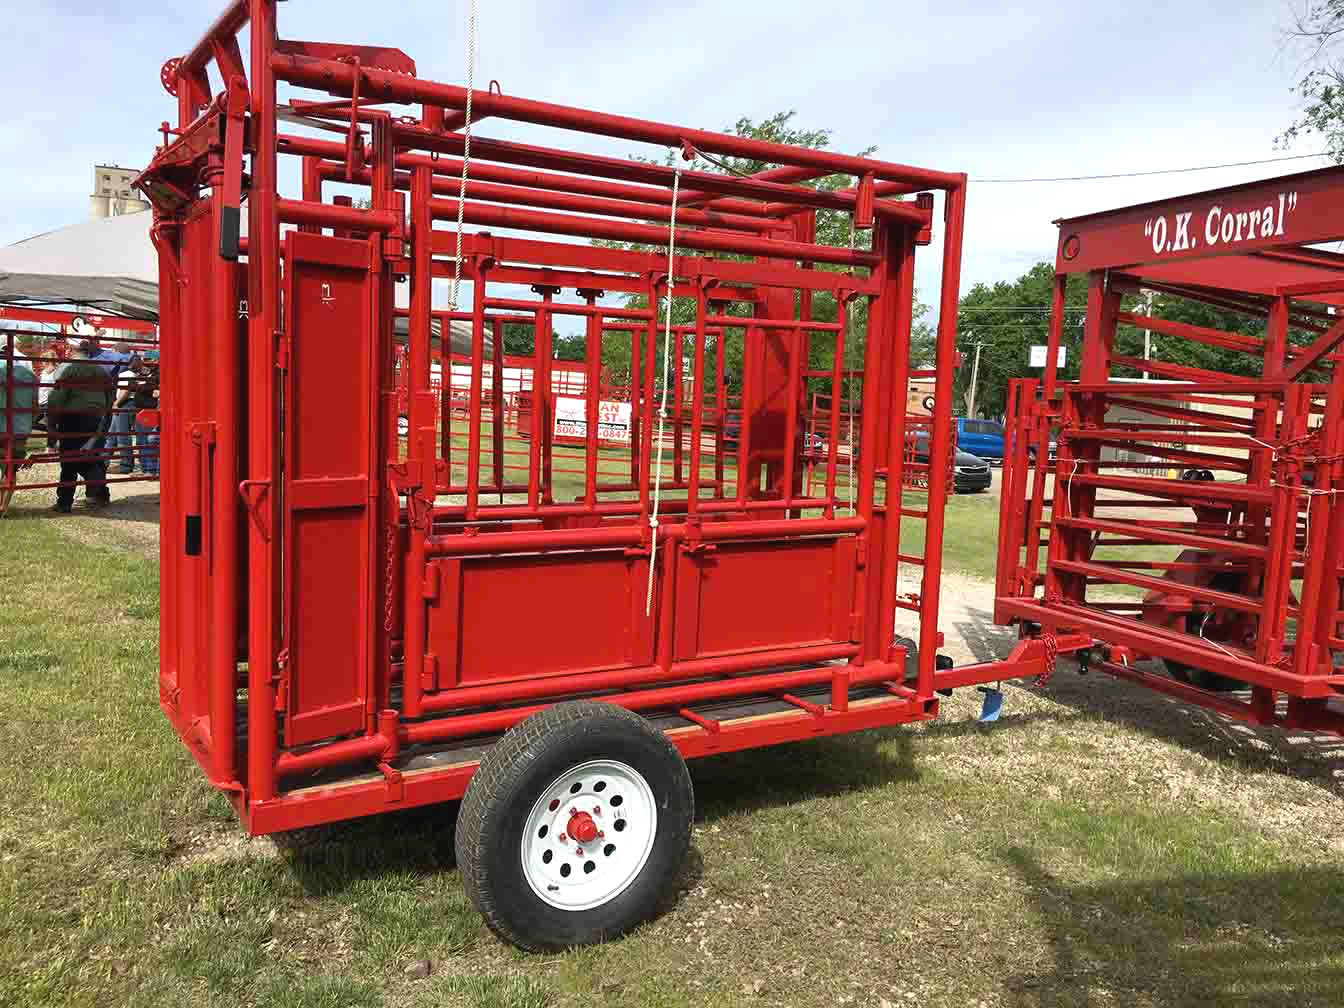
[
  {"x": 184, "y": 444},
  {"x": 577, "y": 609},
  {"x": 327, "y": 489},
  {"x": 744, "y": 596}
]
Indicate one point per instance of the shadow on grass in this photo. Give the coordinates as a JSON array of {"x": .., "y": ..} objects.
[
  {"x": 1317, "y": 758},
  {"x": 326, "y": 860},
  {"x": 753, "y": 779},
  {"x": 1219, "y": 939}
]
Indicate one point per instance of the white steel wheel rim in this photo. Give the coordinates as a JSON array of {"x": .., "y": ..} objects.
[{"x": 575, "y": 874}]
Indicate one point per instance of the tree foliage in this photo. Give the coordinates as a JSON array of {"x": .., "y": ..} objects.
[
  {"x": 1008, "y": 318},
  {"x": 832, "y": 228},
  {"x": 1315, "y": 33}
]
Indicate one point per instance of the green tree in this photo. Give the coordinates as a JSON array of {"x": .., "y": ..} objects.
[
  {"x": 1008, "y": 318},
  {"x": 833, "y": 227},
  {"x": 1315, "y": 33}
]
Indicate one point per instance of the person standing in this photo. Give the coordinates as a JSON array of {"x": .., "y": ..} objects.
[
  {"x": 122, "y": 421},
  {"x": 146, "y": 396},
  {"x": 18, "y": 407},
  {"x": 76, "y": 411}
]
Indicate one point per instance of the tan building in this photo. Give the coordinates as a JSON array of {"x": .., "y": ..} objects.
[{"x": 112, "y": 194}]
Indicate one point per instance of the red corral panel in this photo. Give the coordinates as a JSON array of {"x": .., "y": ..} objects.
[
  {"x": 741, "y": 596},
  {"x": 474, "y": 624},
  {"x": 327, "y": 486}
]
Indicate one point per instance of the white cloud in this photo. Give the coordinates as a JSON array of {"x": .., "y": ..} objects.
[{"x": 1057, "y": 88}]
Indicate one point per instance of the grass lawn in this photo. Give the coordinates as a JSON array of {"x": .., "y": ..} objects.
[{"x": 1062, "y": 857}]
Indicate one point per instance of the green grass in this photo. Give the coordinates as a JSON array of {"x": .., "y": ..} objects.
[{"x": 1043, "y": 862}]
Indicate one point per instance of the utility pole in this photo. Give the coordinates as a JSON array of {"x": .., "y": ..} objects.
[
  {"x": 975, "y": 376},
  {"x": 1147, "y": 333}
]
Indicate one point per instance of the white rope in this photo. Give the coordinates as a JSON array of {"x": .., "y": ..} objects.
[
  {"x": 662, "y": 407},
  {"x": 466, "y": 158}
]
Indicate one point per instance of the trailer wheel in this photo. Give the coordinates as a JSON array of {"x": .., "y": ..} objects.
[{"x": 575, "y": 827}]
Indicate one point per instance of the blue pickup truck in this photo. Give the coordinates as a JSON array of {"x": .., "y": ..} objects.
[{"x": 981, "y": 437}]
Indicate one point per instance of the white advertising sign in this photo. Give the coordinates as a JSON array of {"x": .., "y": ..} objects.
[
  {"x": 1037, "y": 358},
  {"x": 613, "y": 419}
]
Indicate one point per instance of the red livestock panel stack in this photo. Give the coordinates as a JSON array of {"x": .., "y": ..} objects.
[{"x": 1189, "y": 535}]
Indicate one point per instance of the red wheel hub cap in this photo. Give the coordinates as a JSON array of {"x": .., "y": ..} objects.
[{"x": 582, "y": 828}]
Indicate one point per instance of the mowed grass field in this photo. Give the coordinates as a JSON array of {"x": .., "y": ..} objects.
[{"x": 1084, "y": 851}]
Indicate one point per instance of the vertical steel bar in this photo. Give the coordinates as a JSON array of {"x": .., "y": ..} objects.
[
  {"x": 223, "y": 628},
  {"x": 837, "y": 379},
  {"x": 420, "y": 461},
  {"x": 474, "y": 401},
  {"x": 697, "y": 400},
  {"x": 497, "y": 396},
  {"x": 940, "y": 438},
  {"x": 636, "y": 372},
  {"x": 592, "y": 403},
  {"x": 263, "y": 325},
  {"x": 721, "y": 408},
  {"x": 796, "y": 339},
  {"x": 897, "y": 315},
  {"x": 649, "y": 459},
  {"x": 677, "y": 350},
  {"x": 744, "y": 413}
]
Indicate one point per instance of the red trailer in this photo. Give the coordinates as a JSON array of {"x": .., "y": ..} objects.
[
  {"x": 354, "y": 622},
  {"x": 1207, "y": 494}
]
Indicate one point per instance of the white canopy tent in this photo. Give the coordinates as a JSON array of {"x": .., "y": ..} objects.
[
  {"x": 110, "y": 265},
  {"x": 107, "y": 265}
]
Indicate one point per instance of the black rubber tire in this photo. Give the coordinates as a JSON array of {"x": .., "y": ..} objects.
[{"x": 514, "y": 773}]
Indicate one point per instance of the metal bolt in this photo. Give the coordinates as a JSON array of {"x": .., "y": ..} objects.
[
  {"x": 578, "y": 852},
  {"x": 597, "y": 810},
  {"x": 562, "y": 838}
]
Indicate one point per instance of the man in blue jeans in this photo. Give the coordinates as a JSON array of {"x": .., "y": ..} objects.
[
  {"x": 122, "y": 421},
  {"x": 146, "y": 396}
]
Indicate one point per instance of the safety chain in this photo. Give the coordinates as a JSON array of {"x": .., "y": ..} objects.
[
  {"x": 1051, "y": 657},
  {"x": 390, "y": 574}
]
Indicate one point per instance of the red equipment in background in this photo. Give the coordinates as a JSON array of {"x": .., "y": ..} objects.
[
  {"x": 1239, "y": 472},
  {"x": 352, "y": 619}
]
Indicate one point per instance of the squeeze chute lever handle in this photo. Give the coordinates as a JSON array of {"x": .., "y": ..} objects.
[{"x": 230, "y": 212}]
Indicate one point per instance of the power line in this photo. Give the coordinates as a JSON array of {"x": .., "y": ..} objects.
[{"x": 1159, "y": 171}]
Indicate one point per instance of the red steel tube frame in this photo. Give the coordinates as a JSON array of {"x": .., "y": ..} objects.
[{"x": 767, "y": 216}]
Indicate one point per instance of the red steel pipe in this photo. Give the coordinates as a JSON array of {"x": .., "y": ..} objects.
[
  {"x": 338, "y": 79},
  {"x": 669, "y": 696},
  {"x": 596, "y": 227}
]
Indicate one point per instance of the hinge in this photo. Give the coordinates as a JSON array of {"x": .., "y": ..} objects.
[
  {"x": 855, "y": 623},
  {"x": 281, "y": 351},
  {"x": 429, "y": 674},
  {"x": 281, "y": 680},
  {"x": 861, "y": 552},
  {"x": 254, "y": 497},
  {"x": 431, "y": 586}
]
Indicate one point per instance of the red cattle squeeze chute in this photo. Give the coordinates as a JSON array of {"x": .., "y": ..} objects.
[{"x": 357, "y": 620}]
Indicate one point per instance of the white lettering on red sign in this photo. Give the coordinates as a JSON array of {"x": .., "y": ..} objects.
[{"x": 1219, "y": 225}]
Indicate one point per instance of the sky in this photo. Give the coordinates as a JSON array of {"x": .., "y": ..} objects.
[{"x": 995, "y": 90}]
